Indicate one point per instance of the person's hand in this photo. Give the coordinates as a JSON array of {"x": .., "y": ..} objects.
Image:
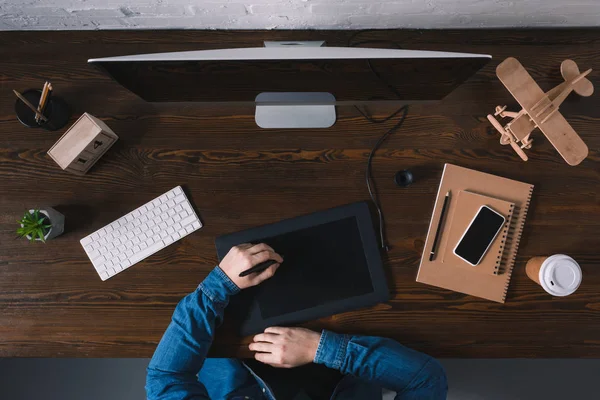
[
  {"x": 246, "y": 256},
  {"x": 285, "y": 347}
]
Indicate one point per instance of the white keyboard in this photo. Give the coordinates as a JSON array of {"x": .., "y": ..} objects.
[{"x": 141, "y": 233}]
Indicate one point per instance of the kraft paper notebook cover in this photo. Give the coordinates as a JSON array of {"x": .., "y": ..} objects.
[
  {"x": 447, "y": 275},
  {"x": 460, "y": 214}
]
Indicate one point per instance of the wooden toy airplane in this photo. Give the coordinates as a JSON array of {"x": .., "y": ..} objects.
[{"x": 540, "y": 110}]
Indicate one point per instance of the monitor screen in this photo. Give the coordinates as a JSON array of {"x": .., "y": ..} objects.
[{"x": 352, "y": 75}]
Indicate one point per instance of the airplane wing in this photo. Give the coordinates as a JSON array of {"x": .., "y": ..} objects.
[
  {"x": 519, "y": 83},
  {"x": 564, "y": 138}
]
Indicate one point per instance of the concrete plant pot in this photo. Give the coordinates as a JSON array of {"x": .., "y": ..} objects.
[{"x": 57, "y": 220}]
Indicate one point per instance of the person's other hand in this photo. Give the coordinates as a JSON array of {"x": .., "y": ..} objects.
[
  {"x": 246, "y": 256},
  {"x": 285, "y": 347}
]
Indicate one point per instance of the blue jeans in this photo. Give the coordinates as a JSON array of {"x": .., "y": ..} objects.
[{"x": 179, "y": 368}]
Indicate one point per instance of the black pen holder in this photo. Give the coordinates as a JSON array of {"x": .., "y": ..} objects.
[{"x": 57, "y": 111}]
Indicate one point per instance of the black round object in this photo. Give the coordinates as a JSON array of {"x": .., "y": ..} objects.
[
  {"x": 57, "y": 111},
  {"x": 403, "y": 178}
]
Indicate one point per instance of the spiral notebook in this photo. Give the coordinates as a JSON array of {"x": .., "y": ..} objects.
[
  {"x": 460, "y": 214},
  {"x": 471, "y": 189}
]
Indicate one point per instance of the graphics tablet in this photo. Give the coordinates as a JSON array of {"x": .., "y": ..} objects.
[{"x": 331, "y": 264}]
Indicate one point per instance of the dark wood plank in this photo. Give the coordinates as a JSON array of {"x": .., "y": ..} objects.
[{"x": 52, "y": 303}]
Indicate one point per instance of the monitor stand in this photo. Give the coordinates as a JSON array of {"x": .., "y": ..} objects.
[{"x": 295, "y": 110}]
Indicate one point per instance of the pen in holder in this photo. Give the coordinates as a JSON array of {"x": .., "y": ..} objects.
[{"x": 56, "y": 112}]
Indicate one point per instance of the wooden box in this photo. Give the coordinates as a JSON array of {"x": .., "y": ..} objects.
[{"x": 82, "y": 144}]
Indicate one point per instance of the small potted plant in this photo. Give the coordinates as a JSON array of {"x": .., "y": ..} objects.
[{"x": 41, "y": 225}]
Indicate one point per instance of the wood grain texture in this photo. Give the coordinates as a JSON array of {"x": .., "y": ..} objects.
[{"x": 52, "y": 302}]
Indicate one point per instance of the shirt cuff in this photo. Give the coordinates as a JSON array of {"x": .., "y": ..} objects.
[
  {"x": 217, "y": 286},
  {"x": 332, "y": 349}
]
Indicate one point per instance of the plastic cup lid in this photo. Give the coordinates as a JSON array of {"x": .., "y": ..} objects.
[{"x": 560, "y": 275}]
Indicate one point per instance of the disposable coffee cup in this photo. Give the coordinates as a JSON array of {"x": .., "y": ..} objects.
[{"x": 559, "y": 274}]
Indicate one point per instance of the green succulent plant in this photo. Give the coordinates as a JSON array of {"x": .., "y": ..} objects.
[{"x": 35, "y": 225}]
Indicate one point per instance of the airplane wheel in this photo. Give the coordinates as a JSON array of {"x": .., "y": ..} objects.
[
  {"x": 527, "y": 145},
  {"x": 499, "y": 110}
]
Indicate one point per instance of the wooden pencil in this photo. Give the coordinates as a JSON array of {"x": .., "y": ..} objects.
[
  {"x": 28, "y": 104},
  {"x": 42, "y": 102}
]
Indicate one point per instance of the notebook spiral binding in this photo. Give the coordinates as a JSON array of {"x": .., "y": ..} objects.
[
  {"x": 505, "y": 240},
  {"x": 513, "y": 239}
]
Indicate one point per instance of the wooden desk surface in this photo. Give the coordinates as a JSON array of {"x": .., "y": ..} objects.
[{"x": 52, "y": 302}]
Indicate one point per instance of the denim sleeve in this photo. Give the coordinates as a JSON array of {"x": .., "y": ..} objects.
[
  {"x": 411, "y": 374},
  {"x": 172, "y": 372}
]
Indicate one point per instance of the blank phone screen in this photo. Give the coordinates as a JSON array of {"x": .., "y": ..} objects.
[{"x": 479, "y": 235}]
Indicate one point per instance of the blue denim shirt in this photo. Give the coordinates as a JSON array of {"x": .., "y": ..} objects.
[{"x": 179, "y": 368}]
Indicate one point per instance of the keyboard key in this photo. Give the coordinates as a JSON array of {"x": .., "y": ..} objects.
[
  {"x": 178, "y": 208},
  {"x": 189, "y": 229},
  {"x": 196, "y": 225},
  {"x": 95, "y": 236},
  {"x": 147, "y": 252},
  {"x": 129, "y": 217},
  {"x": 171, "y": 212},
  {"x": 136, "y": 249},
  {"x": 156, "y": 203},
  {"x": 143, "y": 245},
  {"x": 168, "y": 240},
  {"x": 177, "y": 217},
  {"x": 188, "y": 208},
  {"x": 177, "y": 226},
  {"x": 94, "y": 254},
  {"x": 86, "y": 240},
  {"x": 177, "y": 190},
  {"x": 170, "y": 194},
  {"x": 129, "y": 253},
  {"x": 104, "y": 275},
  {"x": 176, "y": 236},
  {"x": 162, "y": 225},
  {"x": 188, "y": 220},
  {"x": 170, "y": 230},
  {"x": 171, "y": 203},
  {"x": 163, "y": 198},
  {"x": 179, "y": 199},
  {"x": 136, "y": 213}
]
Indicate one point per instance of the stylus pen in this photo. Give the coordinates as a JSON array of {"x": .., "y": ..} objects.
[
  {"x": 437, "y": 232},
  {"x": 258, "y": 268}
]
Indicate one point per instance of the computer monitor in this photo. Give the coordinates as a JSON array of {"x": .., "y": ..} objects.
[{"x": 293, "y": 84}]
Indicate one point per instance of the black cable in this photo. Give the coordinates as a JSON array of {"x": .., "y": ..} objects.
[
  {"x": 404, "y": 110},
  {"x": 369, "y": 178}
]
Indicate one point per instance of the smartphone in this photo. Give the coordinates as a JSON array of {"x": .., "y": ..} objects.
[{"x": 480, "y": 235}]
